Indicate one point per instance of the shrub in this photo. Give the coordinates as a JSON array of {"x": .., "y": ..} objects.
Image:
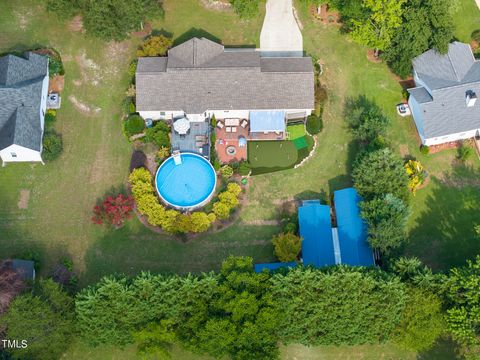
[
  {"x": 221, "y": 210},
  {"x": 314, "y": 124},
  {"x": 416, "y": 174},
  {"x": 52, "y": 146},
  {"x": 131, "y": 91},
  {"x": 464, "y": 152},
  {"x": 216, "y": 165},
  {"x": 55, "y": 66},
  {"x": 158, "y": 134},
  {"x": 114, "y": 210},
  {"x": 234, "y": 188},
  {"x": 163, "y": 153},
  {"x": 155, "y": 46},
  {"x": 132, "y": 108},
  {"x": 227, "y": 171},
  {"x": 229, "y": 199},
  {"x": 287, "y": 246},
  {"x": 244, "y": 168},
  {"x": 132, "y": 68},
  {"x": 134, "y": 125},
  {"x": 424, "y": 149}
]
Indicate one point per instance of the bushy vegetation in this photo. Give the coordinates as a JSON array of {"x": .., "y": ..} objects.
[
  {"x": 55, "y": 64},
  {"x": 246, "y": 9},
  {"x": 44, "y": 318},
  {"x": 134, "y": 125},
  {"x": 416, "y": 175},
  {"x": 464, "y": 152},
  {"x": 159, "y": 134},
  {"x": 287, "y": 246},
  {"x": 105, "y": 21},
  {"x": 155, "y": 45},
  {"x": 314, "y": 124},
  {"x": 52, "y": 146},
  {"x": 113, "y": 210}
]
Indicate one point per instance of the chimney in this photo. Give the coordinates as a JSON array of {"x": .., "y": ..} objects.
[{"x": 471, "y": 98}]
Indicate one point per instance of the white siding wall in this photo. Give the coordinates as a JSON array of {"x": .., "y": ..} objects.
[
  {"x": 160, "y": 115},
  {"x": 417, "y": 117},
  {"x": 451, "y": 137},
  {"x": 23, "y": 154},
  {"x": 43, "y": 104}
]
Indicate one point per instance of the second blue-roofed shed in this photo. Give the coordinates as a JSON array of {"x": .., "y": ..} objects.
[
  {"x": 316, "y": 232},
  {"x": 352, "y": 230}
]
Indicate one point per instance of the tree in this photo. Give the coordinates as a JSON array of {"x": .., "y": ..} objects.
[
  {"x": 337, "y": 306},
  {"x": 378, "y": 173},
  {"x": 366, "y": 120},
  {"x": 52, "y": 146},
  {"x": 114, "y": 20},
  {"x": 246, "y": 9},
  {"x": 44, "y": 318},
  {"x": 155, "y": 46},
  {"x": 113, "y": 211},
  {"x": 287, "y": 246},
  {"x": 463, "y": 315},
  {"x": 422, "y": 321},
  {"x": 155, "y": 339},
  {"x": 314, "y": 124},
  {"x": 427, "y": 24},
  {"x": 386, "y": 218},
  {"x": 134, "y": 125},
  {"x": 378, "y": 29}
]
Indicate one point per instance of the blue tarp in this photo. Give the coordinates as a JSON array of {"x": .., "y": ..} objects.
[
  {"x": 352, "y": 230},
  {"x": 273, "y": 266},
  {"x": 316, "y": 231},
  {"x": 261, "y": 121}
]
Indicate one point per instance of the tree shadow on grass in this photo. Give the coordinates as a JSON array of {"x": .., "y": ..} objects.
[
  {"x": 444, "y": 235},
  {"x": 444, "y": 349}
]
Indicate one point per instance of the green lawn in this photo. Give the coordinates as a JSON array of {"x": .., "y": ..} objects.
[
  {"x": 96, "y": 158},
  {"x": 272, "y": 154},
  {"x": 467, "y": 20}
]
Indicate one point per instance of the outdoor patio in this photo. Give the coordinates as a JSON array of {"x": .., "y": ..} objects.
[
  {"x": 197, "y": 139},
  {"x": 231, "y": 140}
]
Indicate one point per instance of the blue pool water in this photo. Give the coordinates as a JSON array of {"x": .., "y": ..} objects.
[{"x": 188, "y": 185}]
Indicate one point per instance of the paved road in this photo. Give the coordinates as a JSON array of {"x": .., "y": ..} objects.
[{"x": 280, "y": 34}]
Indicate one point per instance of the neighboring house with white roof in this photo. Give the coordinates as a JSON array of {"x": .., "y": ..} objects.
[
  {"x": 444, "y": 102},
  {"x": 23, "y": 103},
  {"x": 200, "y": 78}
]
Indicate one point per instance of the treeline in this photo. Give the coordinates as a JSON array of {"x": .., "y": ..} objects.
[
  {"x": 240, "y": 314},
  {"x": 398, "y": 30}
]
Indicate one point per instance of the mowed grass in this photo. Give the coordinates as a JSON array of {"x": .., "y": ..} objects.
[{"x": 272, "y": 154}]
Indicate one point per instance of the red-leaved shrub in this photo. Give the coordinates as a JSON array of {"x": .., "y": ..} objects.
[{"x": 114, "y": 210}]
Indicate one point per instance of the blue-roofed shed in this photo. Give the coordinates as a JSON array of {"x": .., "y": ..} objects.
[
  {"x": 267, "y": 121},
  {"x": 274, "y": 266},
  {"x": 352, "y": 230},
  {"x": 316, "y": 231}
]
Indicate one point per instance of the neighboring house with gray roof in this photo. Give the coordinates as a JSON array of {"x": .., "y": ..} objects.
[
  {"x": 200, "y": 78},
  {"x": 444, "y": 101},
  {"x": 23, "y": 101}
]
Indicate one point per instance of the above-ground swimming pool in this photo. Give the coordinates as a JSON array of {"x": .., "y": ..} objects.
[{"x": 188, "y": 185}]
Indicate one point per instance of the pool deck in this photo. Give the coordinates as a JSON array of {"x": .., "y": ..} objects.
[{"x": 189, "y": 141}]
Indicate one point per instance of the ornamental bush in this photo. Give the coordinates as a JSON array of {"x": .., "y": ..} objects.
[
  {"x": 134, "y": 125},
  {"x": 221, "y": 210},
  {"x": 52, "y": 146},
  {"x": 227, "y": 171},
  {"x": 287, "y": 246},
  {"x": 158, "y": 134},
  {"x": 314, "y": 124},
  {"x": 114, "y": 210},
  {"x": 244, "y": 168},
  {"x": 229, "y": 199},
  {"x": 234, "y": 188},
  {"x": 156, "y": 45}
]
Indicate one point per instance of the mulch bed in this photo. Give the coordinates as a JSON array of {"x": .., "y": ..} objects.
[
  {"x": 372, "y": 58},
  {"x": 56, "y": 84},
  {"x": 147, "y": 30},
  {"x": 326, "y": 16}
]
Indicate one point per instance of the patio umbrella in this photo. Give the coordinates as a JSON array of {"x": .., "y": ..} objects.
[{"x": 181, "y": 126}]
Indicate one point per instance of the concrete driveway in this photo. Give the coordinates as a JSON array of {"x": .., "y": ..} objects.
[{"x": 280, "y": 34}]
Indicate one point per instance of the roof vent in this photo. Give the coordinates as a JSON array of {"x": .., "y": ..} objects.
[{"x": 471, "y": 98}]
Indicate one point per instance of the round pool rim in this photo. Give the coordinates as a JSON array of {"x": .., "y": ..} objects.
[{"x": 190, "y": 207}]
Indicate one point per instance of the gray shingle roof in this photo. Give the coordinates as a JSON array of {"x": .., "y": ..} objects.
[
  {"x": 449, "y": 77},
  {"x": 20, "y": 99},
  {"x": 201, "y": 75}
]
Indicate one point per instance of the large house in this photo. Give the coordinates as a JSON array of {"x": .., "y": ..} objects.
[
  {"x": 23, "y": 102},
  {"x": 200, "y": 79},
  {"x": 443, "y": 103}
]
